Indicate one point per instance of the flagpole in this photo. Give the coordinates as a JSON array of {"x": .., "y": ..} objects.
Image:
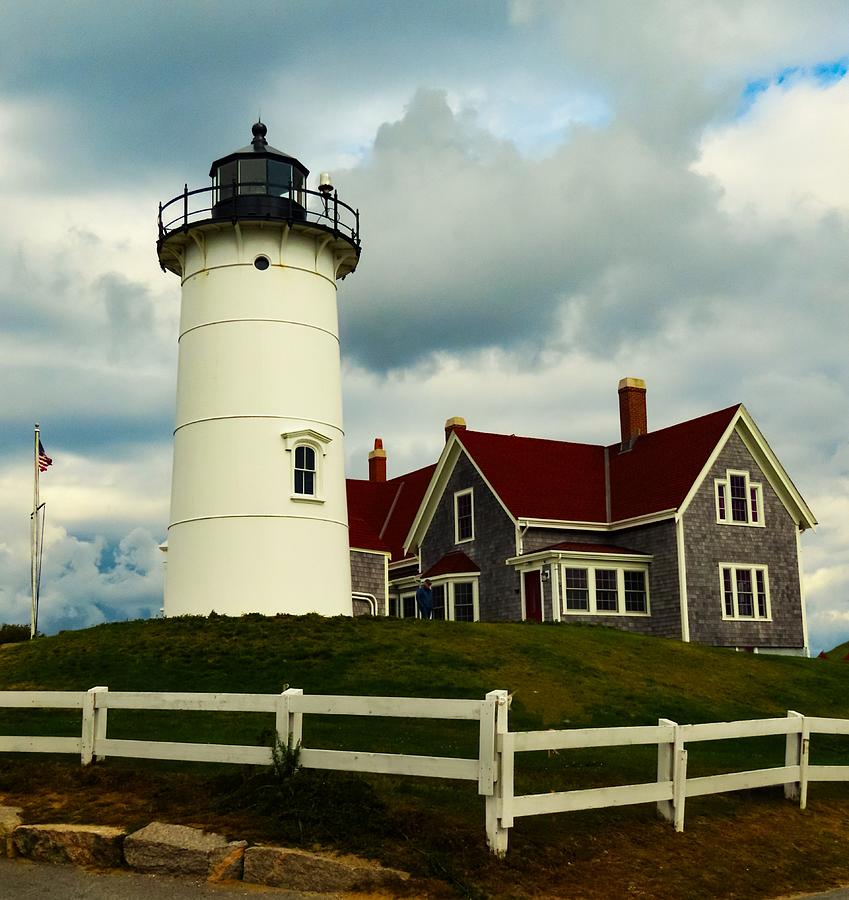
[{"x": 34, "y": 536}]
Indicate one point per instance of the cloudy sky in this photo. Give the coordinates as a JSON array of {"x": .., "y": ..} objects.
[{"x": 554, "y": 194}]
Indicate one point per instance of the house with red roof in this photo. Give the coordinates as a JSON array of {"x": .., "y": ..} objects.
[{"x": 688, "y": 532}]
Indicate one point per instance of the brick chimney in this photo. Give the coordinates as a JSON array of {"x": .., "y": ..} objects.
[
  {"x": 377, "y": 462},
  {"x": 632, "y": 410},
  {"x": 455, "y": 423}
]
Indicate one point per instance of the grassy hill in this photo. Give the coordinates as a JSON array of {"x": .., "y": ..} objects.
[{"x": 559, "y": 676}]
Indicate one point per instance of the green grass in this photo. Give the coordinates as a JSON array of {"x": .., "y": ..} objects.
[{"x": 559, "y": 677}]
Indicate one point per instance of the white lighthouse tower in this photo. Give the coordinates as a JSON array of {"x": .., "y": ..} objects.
[{"x": 258, "y": 517}]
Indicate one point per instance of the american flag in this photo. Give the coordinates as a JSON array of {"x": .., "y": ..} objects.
[{"x": 43, "y": 459}]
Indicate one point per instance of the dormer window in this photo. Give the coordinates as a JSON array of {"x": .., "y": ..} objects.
[{"x": 739, "y": 501}]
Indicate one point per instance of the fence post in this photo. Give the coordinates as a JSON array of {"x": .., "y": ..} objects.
[
  {"x": 94, "y": 725},
  {"x": 496, "y": 834},
  {"x": 803, "y": 764},
  {"x": 679, "y": 781},
  {"x": 793, "y": 757},
  {"x": 666, "y": 770},
  {"x": 288, "y": 724}
]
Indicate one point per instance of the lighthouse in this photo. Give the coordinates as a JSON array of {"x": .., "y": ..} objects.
[{"x": 258, "y": 519}]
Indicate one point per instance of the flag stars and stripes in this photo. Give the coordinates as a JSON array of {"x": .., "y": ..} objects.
[{"x": 43, "y": 459}]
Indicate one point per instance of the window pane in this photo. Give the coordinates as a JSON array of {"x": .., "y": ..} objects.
[
  {"x": 635, "y": 592},
  {"x": 226, "y": 176},
  {"x": 394, "y": 607},
  {"x": 738, "y": 498},
  {"x": 409, "y": 606},
  {"x": 252, "y": 170},
  {"x": 727, "y": 592},
  {"x": 606, "y": 590},
  {"x": 304, "y": 470},
  {"x": 279, "y": 176},
  {"x": 464, "y": 608},
  {"x": 760, "y": 582},
  {"x": 577, "y": 590},
  {"x": 464, "y": 517},
  {"x": 745, "y": 598},
  {"x": 753, "y": 492},
  {"x": 438, "y": 601},
  {"x": 720, "y": 495}
]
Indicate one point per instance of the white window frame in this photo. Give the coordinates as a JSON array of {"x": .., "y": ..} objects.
[
  {"x": 591, "y": 566},
  {"x": 752, "y": 568},
  {"x": 401, "y": 597},
  {"x": 316, "y": 442},
  {"x": 457, "y": 494},
  {"x": 755, "y": 486},
  {"x": 449, "y": 582}
]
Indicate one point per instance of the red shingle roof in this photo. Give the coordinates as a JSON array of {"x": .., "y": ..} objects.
[
  {"x": 385, "y": 509},
  {"x": 452, "y": 563},
  {"x": 545, "y": 479},
  {"x": 658, "y": 472},
  {"x": 541, "y": 479}
]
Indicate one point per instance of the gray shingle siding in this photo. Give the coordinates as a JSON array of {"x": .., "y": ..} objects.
[
  {"x": 493, "y": 543},
  {"x": 367, "y": 576},
  {"x": 708, "y": 543}
]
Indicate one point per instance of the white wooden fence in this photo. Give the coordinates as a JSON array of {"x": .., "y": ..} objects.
[{"x": 493, "y": 769}]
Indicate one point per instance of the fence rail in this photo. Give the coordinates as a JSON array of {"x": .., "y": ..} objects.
[{"x": 493, "y": 769}]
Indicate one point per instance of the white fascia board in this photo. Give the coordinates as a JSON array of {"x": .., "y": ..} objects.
[
  {"x": 438, "y": 482},
  {"x": 777, "y": 475},
  {"x": 597, "y": 526},
  {"x": 427, "y": 508},
  {"x": 542, "y": 555},
  {"x": 403, "y": 563},
  {"x": 373, "y": 552}
]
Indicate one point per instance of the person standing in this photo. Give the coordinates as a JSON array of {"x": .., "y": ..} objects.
[{"x": 424, "y": 599}]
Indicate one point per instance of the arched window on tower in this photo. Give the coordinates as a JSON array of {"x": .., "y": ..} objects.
[
  {"x": 305, "y": 471},
  {"x": 306, "y": 451}
]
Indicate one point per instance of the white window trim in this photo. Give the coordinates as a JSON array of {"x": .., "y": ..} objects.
[
  {"x": 591, "y": 565},
  {"x": 750, "y": 485},
  {"x": 752, "y": 567},
  {"x": 318, "y": 442},
  {"x": 449, "y": 581},
  {"x": 458, "y": 494}
]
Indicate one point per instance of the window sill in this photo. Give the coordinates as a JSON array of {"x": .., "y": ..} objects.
[
  {"x": 467, "y": 540},
  {"x": 606, "y": 613},
  {"x": 746, "y": 619},
  {"x": 743, "y": 524},
  {"x": 302, "y": 498}
]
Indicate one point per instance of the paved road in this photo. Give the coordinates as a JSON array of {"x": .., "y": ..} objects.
[{"x": 23, "y": 880}]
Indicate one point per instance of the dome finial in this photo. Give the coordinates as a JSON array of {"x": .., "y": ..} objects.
[{"x": 259, "y": 132}]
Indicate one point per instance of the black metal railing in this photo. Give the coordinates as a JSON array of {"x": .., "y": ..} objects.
[{"x": 284, "y": 203}]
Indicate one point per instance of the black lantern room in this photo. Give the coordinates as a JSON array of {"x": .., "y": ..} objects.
[{"x": 258, "y": 180}]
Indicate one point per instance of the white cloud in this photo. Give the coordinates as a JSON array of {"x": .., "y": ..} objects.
[{"x": 786, "y": 159}]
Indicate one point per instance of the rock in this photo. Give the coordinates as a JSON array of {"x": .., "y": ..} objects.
[
  {"x": 299, "y": 870},
  {"x": 180, "y": 850},
  {"x": 80, "y": 845},
  {"x": 10, "y": 818}
]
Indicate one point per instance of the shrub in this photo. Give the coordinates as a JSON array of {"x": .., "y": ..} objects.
[{"x": 12, "y": 634}]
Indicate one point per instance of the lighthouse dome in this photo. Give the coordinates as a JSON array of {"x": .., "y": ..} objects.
[{"x": 258, "y": 180}]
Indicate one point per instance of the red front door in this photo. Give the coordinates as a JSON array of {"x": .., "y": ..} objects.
[{"x": 533, "y": 597}]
